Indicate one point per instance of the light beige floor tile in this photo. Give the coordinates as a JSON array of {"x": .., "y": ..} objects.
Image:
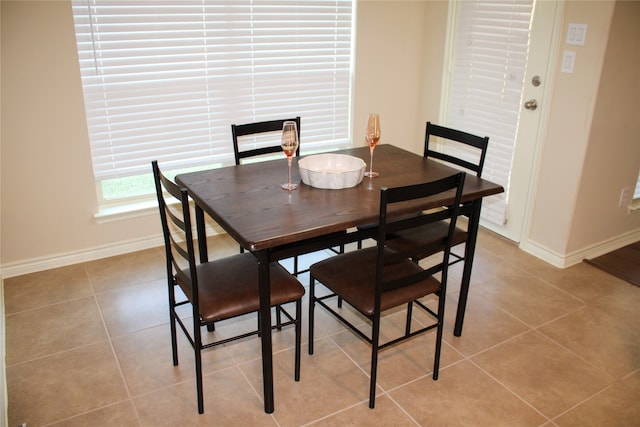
[
  {"x": 485, "y": 324},
  {"x": 604, "y": 341},
  {"x": 623, "y": 305},
  {"x": 505, "y": 250},
  {"x": 464, "y": 396},
  {"x": 326, "y": 324},
  {"x": 120, "y": 414},
  {"x": 386, "y": 413},
  {"x": 40, "y": 289},
  {"x": 251, "y": 348},
  {"x": 131, "y": 269},
  {"x": 47, "y": 330},
  {"x": 329, "y": 382},
  {"x": 65, "y": 384},
  {"x": 401, "y": 363},
  {"x": 543, "y": 373},
  {"x": 84, "y": 385},
  {"x": 486, "y": 266},
  {"x": 528, "y": 298},
  {"x": 135, "y": 308},
  {"x": 616, "y": 406},
  {"x": 229, "y": 400},
  {"x": 147, "y": 363},
  {"x": 580, "y": 280}
]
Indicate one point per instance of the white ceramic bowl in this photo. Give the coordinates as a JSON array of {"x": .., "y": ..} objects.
[{"x": 331, "y": 171}]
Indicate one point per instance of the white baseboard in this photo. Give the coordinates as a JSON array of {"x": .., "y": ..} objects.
[
  {"x": 575, "y": 257},
  {"x": 61, "y": 260},
  {"x": 45, "y": 263}
]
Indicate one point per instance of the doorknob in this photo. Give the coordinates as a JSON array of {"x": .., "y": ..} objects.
[{"x": 531, "y": 104}]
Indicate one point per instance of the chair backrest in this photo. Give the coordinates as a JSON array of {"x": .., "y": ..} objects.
[
  {"x": 391, "y": 197},
  {"x": 177, "y": 233},
  {"x": 477, "y": 144},
  {"x": 270, "y": 126}
]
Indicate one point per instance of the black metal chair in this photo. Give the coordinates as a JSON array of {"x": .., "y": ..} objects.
[
  {"x": 473, "y": 151},
  {"x": 258, "y": 128},
  {"x": 266, "y": 128},
  {"x": 216, "y": 290},
  {"x": 478, "y": 144},
  {"x": 376, "y": 279}
]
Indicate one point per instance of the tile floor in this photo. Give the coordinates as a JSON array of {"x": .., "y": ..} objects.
[{"x": 88, "y": 345}]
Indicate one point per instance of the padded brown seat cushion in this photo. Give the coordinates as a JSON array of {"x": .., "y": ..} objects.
[
  {"x": 229, "y": 287},
  {"x": 352, "y": 276}
]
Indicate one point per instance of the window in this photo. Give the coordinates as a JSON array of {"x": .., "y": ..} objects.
[
  {"x": 165, "y": 80},
  {"x": 636, "y": 193}
]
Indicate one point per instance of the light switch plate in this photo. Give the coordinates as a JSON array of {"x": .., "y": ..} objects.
[
  {"x": 568, "y": 60},
  {"x": 576, "y": 34}
]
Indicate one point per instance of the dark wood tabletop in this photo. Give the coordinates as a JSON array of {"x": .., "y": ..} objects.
[{"x": 249, "y": 204}]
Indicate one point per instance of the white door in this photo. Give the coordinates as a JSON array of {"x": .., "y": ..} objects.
[{"x": 515, "y": 132}]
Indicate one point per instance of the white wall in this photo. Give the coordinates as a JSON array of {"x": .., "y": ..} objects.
[
  {"x": 612, "y": 157},
  {"x": 389, "y": 69},
  {"x": 48, "y": 195},
  {"x": 591, "y": 145}
]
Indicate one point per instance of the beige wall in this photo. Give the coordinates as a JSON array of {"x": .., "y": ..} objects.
[
  {"x": 612, "y": 158},
  {"x": 48, "y": 197},
  {"x": 591, "y": 148}
]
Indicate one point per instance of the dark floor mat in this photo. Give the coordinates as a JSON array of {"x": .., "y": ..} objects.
[{"x": 623, "y": 263}]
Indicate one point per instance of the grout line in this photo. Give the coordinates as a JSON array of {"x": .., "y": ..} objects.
[
  {"x": 113, "y": 350},
  {"x": 75, "y": 416},
  {"x": 522, "y": 399}
]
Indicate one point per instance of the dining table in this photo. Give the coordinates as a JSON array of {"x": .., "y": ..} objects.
[{"x": 247, "y": 202}]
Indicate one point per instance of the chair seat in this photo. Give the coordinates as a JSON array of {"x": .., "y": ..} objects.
[
  {"x": 435, "y": 232},
  {"x": 352, "y": 276},
  {"x": 229, "y": 287}
]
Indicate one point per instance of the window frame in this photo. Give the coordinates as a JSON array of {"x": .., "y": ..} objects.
[{"x": 314, "y": 136}]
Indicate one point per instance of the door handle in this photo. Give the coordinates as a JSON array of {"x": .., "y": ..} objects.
[{"x": 531, "y": 104}]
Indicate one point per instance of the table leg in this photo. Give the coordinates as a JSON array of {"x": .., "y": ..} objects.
[
  {"x": 469, "y": 251},
  {"x": 202, "y": 235},
  {"x": 265, "y": 329}
]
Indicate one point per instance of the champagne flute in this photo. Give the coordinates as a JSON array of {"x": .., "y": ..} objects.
[
  {"x": 372, "y": 136},
  {"x": 289, "y": 146}
]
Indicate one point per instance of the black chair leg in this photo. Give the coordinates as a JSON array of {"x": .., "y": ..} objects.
[
  {"x": 211, "y": 327},
  {"x": 172, "y": 326},
  {"x": 312, "y": 306},
  {"x": 375, "y": 338},
  {"x": 197, "y": 337},
  {"x": 298, "y": 338},
  {"x": 436, "y": 361},
  {"x": 409, "y": 314},
  {"x": 279, "y": 317}
]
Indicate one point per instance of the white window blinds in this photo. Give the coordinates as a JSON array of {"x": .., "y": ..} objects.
[
  {"x": 165, "y": 80},
  {"x": 491, "y": 45}
]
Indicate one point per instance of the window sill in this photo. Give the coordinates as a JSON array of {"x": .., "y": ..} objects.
[
  {"x": 126, "y": 211},
  {"x": 634, "y": 206}
]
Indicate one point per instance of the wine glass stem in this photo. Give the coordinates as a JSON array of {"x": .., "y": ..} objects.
[
  {"x": 289, "y": 164},
  {"x": 371, "y": 163}
]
